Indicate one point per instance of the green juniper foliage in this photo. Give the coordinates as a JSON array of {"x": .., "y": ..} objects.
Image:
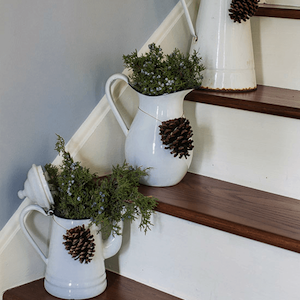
[
  {"x": 79, "y": 194},
  {"x": 154, "y": 73}
]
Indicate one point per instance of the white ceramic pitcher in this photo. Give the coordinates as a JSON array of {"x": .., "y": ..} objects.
[
  {"x": 65, "y": 277},
  {"x": 143, "y": 145},
  {"x": 225, "y": 47}
]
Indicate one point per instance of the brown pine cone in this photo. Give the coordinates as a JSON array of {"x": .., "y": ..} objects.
[
  {"x": 79, "y": 242},
  {"x": 242, "y": 10},
  {"x": 176, "y": 134}
]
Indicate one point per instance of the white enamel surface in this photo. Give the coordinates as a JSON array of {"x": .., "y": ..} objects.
[
  {"x": 36, "y": 188},
  {"x": 189, "y": 19},
  {"x": 114, "y": 109},
  {"x": 69, "y": 279},
  {"x": 66, "y": 278},
  {"x": 225, "y": 47},
  {"x": 112, "y": 244},
  {"x": 22, "y": 219},
  {"x": 143, "y": 145}
]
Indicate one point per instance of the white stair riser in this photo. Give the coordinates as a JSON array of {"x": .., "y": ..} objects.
[
  {"x": 276, "y": 43},
  {"x": 195, "y": 262},
  {"x": 251, "y": 149}
]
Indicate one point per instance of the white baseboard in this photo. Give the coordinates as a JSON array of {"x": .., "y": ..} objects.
[{"x": 19, "y": 262}]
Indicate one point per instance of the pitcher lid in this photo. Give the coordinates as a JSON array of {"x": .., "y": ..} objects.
[{"x": 36, "y": 188}]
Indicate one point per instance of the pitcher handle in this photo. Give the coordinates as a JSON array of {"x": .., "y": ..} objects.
[
  {"x": 23, "y": 214},
  {"x": 113, "y": 244},
  {"x": 189, "y": 20},
  {"x": 114, "y": 109}
]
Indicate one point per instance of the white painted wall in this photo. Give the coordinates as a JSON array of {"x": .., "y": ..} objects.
[
  {"x": 180, "y": 257},
  {"x": 55, "y": 57}
]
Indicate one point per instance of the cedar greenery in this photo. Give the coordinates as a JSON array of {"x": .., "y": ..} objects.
[
  {"x": 79, "y": 194},
  {"x": 155, "y": 73}
]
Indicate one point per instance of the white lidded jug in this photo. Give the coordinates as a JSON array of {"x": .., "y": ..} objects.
[{"x": 65, "y": 277}]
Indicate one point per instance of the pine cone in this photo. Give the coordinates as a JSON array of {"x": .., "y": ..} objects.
[
  {"x": 80, "y": 243},
  {"x": 242, "y": 9},
  {"x": 176, "y": 134}
]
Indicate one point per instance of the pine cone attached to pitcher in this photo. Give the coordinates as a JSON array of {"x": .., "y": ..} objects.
[
  {"x": 79, "y": 242},
  {"x": 176, "y": 134},
  {"x": 242, "y": 10}
]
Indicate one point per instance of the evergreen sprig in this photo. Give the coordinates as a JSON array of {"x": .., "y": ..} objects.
[
  {"x": 79, "y": 194},
  {"x": 155, "y": 73}
]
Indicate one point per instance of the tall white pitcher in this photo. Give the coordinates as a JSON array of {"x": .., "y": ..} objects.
[{"x": 225, "y": 47}]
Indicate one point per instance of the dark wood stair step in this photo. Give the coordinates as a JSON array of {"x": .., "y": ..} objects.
[
  {"x": 247, "y": 212},
  {"x": 118, "y": 288},
  {"x": 266, "y": 99},
  {"x": 278, "y": 11}
]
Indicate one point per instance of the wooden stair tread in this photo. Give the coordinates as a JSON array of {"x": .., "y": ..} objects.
[
  {"x": 266, "y": 99},
  {"x": 118, "y": 288},
  {"x": 236, "y": 209},
  {"x": 278, "y": 11}
]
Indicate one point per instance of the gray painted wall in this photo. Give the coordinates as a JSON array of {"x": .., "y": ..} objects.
[{"x": 55, "y": 57}]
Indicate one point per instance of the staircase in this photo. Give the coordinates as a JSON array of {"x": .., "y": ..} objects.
[{"x": 231, "y": 229}]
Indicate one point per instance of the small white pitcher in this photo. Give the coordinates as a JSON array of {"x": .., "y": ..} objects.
[
  {"x": 143, "y": 145},
  {"x": 65, "y": 277}
]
